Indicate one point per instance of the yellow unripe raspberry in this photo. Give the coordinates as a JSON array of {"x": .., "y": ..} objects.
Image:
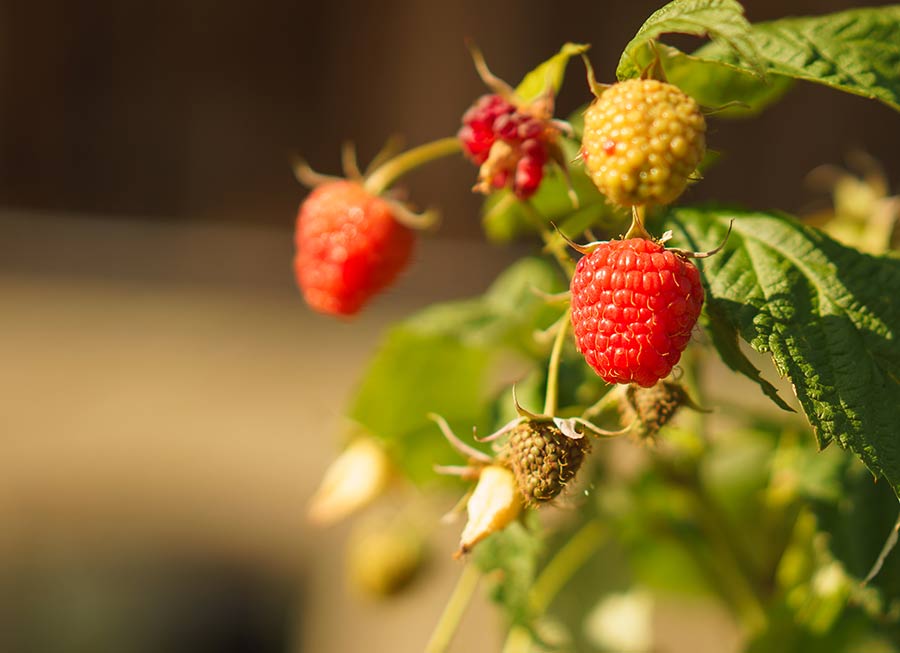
[{"x": 642, "y": 140}]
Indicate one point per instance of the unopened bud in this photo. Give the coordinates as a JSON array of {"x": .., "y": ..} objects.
[
  {"x": 353, "y": 480},
  {"x": 494, "y": 503},
  {"x": 649, "y": 409},
  {"x": 383, "y": 558}
]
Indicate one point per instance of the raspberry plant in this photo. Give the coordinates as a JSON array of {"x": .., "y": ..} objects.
[{"x": 631, "y": 343}]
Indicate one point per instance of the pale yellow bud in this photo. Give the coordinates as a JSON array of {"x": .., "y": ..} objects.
[
  {"x": 353, "y": 480},
  {"x": 383, "y": 558},
  {"x": 494, "y": 503}
]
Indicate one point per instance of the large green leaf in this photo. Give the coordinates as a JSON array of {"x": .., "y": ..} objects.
[
  {"x": 721, "y": 20},
  {"x": 857, "y": 51},
  {"x": 829, "y": 316},
  {"x": 411, "y": 375},
  {"x": 724, "y": 337},
  {"x": 715, "y": 84},
  {"x": 549, "y": 75}
]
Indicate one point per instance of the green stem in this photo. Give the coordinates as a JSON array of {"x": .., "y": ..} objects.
[
  {"x": 731, "y": 563},
  {"x": 518, "y": 640},
  {"x": 562, "y": 567},
  {"x": 693, "y": 384},
  {"x": 554, "y": 245},
  {"x": 637, "y": 229},
  {"x": 739, "y": 585},
  {"x": 559, "y": 571},
  {"x": 381, "y": 179},
  {"x": 551, "y": 400},
  {"x": 610, "y": 400},
  {"x": 454, "y": 610}
]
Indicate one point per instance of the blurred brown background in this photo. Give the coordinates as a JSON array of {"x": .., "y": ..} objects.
[{"x": 167, "y": 403}]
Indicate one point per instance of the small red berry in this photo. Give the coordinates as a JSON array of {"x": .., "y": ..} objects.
[
  {"x": 529, "y": 173},
  {"x": 478, "y": 132},
  {"x": 510, "y": 144},
  {"x": 634, "y": 304},
  {"x": 349, "y": 247}
]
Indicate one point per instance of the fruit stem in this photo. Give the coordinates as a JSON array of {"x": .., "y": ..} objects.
[
  {"x": 559, "y": 571},
  {"x": 610, "y": 400},
  {"x": 391, "y": 170},
  {"x": 553, "y": 244},
  {"x": 454, "y": 610},
  {"x": 637, "y": 229},
  {"x": 731, "y": 563},
  {"x": 551, "y": 399},
  {"x": 563, "y": 566}
]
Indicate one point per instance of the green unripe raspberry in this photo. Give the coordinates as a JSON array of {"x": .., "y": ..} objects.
[
  {"x": 542, "y": 459},
  {"x": 642, "y": 140},
  {"x": 649, "y": 409}
]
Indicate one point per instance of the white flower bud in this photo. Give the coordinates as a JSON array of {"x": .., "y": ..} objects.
[
  {"x": 494, "y": 503},
  {"x": 353, "y": 480}
]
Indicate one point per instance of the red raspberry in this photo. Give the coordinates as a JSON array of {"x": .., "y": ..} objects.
[
  {"x": 521, "y": 141},
  {"x": 349, "y": 247},
  {"x": 478, "y": 132},
  {"x": 529, "y": 173},
  {"x": 634, "y": 304}
]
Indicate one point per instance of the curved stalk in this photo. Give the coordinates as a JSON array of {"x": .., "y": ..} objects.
[
  {"x": 559, "y": 571},
  {"x": 551, "y": 399},
  {"x": 454, "y": 610},
  {"x": 390, "y": 171},
  {"x": 637, "y": 229}
]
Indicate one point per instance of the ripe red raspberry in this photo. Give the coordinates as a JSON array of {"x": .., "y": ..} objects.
[
  {"x": 349, "y": 247},
  {"x": 634, "y": 304}
]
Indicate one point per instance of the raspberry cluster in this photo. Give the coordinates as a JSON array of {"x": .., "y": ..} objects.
[
  {"x": 634, "y": 304},
  {"x": 349, "y": 247},
  {"x": 509, "y": 144},
  {"x": 642, "y": 140}
]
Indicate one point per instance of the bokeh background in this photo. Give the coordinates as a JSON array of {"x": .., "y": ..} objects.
[{"x": 167, "y": 402}]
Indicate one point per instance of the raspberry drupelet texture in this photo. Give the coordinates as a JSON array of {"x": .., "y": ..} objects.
[
  {"x": 543, "y": 460},
  {"x": 642, "y": 140},
  {"x": 349, "y": 247},
  {"x": 509, "y": 144},
  {"x": 634, "y": 304},
  {"x": 477, "y": 134}
]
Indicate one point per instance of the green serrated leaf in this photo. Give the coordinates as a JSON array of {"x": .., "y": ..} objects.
[
  {"x": 856, "y": 51},
  {"x": 724, "y": 337},
  {"x": 715, "y": 84},
  {"x": 829, "y": 316},
  {"x": 549, "y": 75},
  {"x": 721, "y": 20}
]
